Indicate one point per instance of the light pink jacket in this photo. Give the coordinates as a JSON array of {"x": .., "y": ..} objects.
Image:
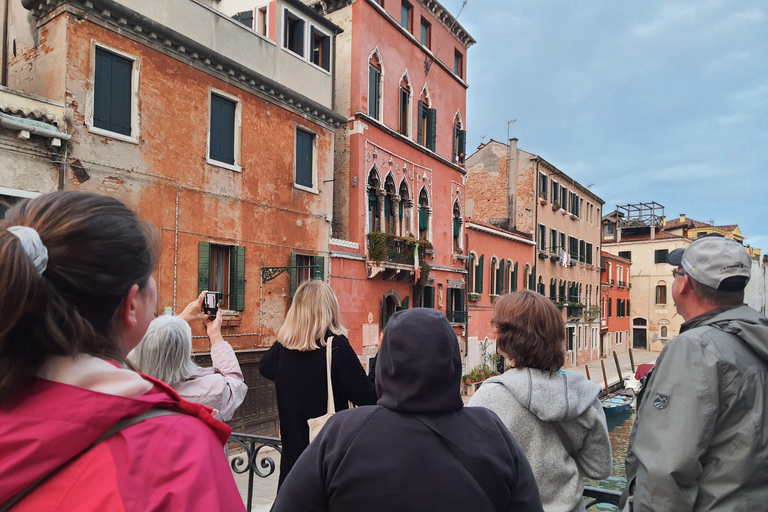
[{"x": 221, "y": 387}]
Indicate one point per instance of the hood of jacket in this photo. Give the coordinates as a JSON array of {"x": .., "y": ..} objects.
[
  {"x": 418, "y": 368},
  {"x": 747, "y": 324},
  {"x": 555, "y": 396},
  {"x": 50, "y": 423}
]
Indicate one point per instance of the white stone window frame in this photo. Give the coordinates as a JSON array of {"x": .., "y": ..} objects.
[
  {"x": 281, "y": 41},
  {"x": 380, "y": 101},
  {"x": 237, "y": 166},
  {"x": 91, "y": 96},
  {"x": 314, "y": 189},
  {"x": 310, "y": 28}
]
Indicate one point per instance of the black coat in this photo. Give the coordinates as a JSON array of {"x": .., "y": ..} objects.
[
  {"x": 383, "y": 458},
  {"x": 302, "y": 392}
]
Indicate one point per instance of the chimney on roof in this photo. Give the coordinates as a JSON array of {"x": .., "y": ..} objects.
[{"x": 682, "y": 217}]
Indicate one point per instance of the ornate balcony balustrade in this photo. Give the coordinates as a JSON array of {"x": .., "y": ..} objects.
[{"x": 250, "y": 460}]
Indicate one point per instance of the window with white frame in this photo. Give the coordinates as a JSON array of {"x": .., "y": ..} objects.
[
  {"x": 321, "y": 48},
  {"x": 224, "y": 130},
  {"x": 114, "y": 96},
  {"x": 293, "y": 33},
  {"x": 305, "y": 164},
  {"x": 374, "y": 87}
]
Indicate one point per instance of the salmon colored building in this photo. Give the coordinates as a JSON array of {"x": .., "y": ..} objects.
[
  {"x": 614, "y": 304},
  {"x": 399, "y": 179},
  {"x": 221, "y": 135},
  {"x": 497, "y": 260}
]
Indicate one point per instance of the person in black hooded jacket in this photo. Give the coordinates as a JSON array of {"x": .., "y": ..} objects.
[{"x": 419, "y": 448}]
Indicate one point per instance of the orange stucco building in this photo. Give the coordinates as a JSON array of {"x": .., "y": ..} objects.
[
  {"x": 615, "y": 310},
  {"x": 221, "y": 135},
  {"x": 401, "y": 84}
]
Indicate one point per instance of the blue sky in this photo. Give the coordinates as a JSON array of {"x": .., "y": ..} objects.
[{"x": 648, "y": 101}]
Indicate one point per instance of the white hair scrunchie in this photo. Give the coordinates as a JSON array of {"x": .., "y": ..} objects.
[{"x": 33, "y": 246}]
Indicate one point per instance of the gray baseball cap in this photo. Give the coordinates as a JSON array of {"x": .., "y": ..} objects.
[{"x": 715, "y": 261}]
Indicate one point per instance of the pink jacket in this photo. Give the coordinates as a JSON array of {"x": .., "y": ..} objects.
[
  {"x": 168, "y": 463},
  {"x": 221, "y": 388}
]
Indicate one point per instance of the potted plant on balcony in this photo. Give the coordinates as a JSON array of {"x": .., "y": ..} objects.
[
  {"x": 473, "y": 296},
  {"x": 377, "y": 246},
  {"x": 555, "y": 206}
]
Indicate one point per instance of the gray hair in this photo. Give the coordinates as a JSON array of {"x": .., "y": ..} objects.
[{"x": 165, "y": 352}]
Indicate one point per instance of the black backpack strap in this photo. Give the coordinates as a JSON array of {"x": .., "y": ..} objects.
[
  {"x": 472, "y": 468},
  {"x": 117, "y": 427}
]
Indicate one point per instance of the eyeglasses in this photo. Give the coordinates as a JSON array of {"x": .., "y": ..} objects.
[{"x": 676, "y": 273}]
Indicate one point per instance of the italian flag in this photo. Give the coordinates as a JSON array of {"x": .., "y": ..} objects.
[{"x": 416, "y": 267}]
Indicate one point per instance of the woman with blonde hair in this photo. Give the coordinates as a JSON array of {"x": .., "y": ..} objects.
[
  {"x": 297, "y": 364},
  {"x": 555, "y": 416}
]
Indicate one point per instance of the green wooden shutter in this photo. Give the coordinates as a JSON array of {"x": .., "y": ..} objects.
[
  {"x": 203, "y": 267},
  {"x": 401, "y": 207},
  {"x": 112, "y": 92},
  {"x": 420, "y": 128},
  {"x": 237, "y": 279},
  {"x": 500, "y": 279},
  {"x": 459, "y": 302},
  {"x": 480, "y": 269},
  {"x": 449, "y": 304},
  {"x": 470, "y": 275},
  {"x": 292, "y": 273},
  {"x": 383, "y": 312},
  {"x": 514, "y": 279},
  {"x": 429, "y": 297},
  {"x": 319, "y": 268},
  {"x": 422, "y": 218},
  {"x": 222, "y": 129},
  {"x": 373, "y": 92},
  {"x": 405, "y": 303},
  {"x": 463, "y": 142},
  {"x": 431, "y": 128},
  {"x": 455, "y": 227}
]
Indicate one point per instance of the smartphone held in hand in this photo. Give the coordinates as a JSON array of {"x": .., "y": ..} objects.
[{"x": 212, "y": 302}]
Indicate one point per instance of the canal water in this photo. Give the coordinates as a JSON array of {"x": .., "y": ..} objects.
[{"x": 619, "y": 429}]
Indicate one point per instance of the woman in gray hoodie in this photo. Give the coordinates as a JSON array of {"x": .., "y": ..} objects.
[{"x": 546, "y": 409}]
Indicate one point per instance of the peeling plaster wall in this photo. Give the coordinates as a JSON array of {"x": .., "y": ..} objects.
[{"x": 257, "y": 208}]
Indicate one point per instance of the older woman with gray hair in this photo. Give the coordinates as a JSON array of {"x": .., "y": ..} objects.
[{"x": 165, "y": 353}]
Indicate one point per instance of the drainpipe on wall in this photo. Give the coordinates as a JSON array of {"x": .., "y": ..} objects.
[{"x": 4, "y": 76}]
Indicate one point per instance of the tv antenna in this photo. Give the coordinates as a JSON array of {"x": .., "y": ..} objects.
[{"x": 509, "y": 123}]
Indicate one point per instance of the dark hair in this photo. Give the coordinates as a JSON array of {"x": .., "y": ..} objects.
[
  {"x": 531, "y": 330},
  {"x": 97, "y": 248},
  {"x": 720, "y": 297}
]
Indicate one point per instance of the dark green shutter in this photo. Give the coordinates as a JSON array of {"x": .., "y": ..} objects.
[
  {"x": 459, "y": 302},
  {"x": 422, "y": 218},
  {"x": 383, "y": 311},
  {"x": 449, "y": 304},
  {"x": 470, "y": 275},
  {"x": 401, "y": 208},
  {"x": 203, "y": 267},
  {"x": 319, "y": 268},
  {"x": 514, "y": 279},
  {"x": 373, "y": 92},
  {"x": 304, "y": 153},
  {"x": 500, "y": 279},
  {"x": 420, "y": 127},
  {"x": 112, "y": 92},
  {"x": 431, "y": 128},
  {"x": 222, "y": 130},
  {"x": 455, "y": 227},
  {"x": 463, "y": 142},
  {"x": 405, "y": 304},
  {"x": 480, "y": 269},
  {"x": 292, "y": 273},
  {"x": 429, "y": 297},
  {"x": 237, "y": 279}
]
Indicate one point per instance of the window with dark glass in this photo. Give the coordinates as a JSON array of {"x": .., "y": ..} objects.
[
  {"x": 661, "y": 255},
  {"x": 426, "y": 33},
  {"x": 293, "y": 33},
  {"x": 305, "y": 149},
  {"x": 589, "y": 254},
  {"x": 458, "y": 64},
  {"x": 625, "y": 254},
  {"x": 112, "y": 92},
  {"x": 427, "y": 135},
  {"x": 459, "y": 142},
  {"x": 553, "y": 241},
  {"x": 542, "y": 237},
  {"x": 542, "y": 185},
  {"x": 661, "y": 293},
  {"x": 406, "y": 16},
  {"x": 405, "y": 107},
  {"x": 303, "y": 268},
  {"x": 374, "y": 87},
  {"x": 321, "y": 49},
  {"x": 222, "y": 129},
  {"x": 423, "y": 215}
]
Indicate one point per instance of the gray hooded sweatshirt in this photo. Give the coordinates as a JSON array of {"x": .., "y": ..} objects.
[{"x": 529, "y": 401}]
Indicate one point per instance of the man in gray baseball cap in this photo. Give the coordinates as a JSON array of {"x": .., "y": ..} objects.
[{"x": 700, "y": 441}]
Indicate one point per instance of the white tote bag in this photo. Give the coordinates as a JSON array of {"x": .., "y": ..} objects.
[{"x": 316, "y": 424}]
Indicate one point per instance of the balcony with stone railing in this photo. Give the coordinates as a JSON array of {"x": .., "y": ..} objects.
[{"x": 393, "y": 254}]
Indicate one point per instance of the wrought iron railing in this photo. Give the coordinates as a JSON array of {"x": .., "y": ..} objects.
[
  {"x": 250, "y": 460},
  {"x": 601, "y": 496},
  {"x": 457, "y": 317}
]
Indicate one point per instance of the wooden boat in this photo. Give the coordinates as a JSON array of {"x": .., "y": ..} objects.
[{"x": 617, "y": 402}]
